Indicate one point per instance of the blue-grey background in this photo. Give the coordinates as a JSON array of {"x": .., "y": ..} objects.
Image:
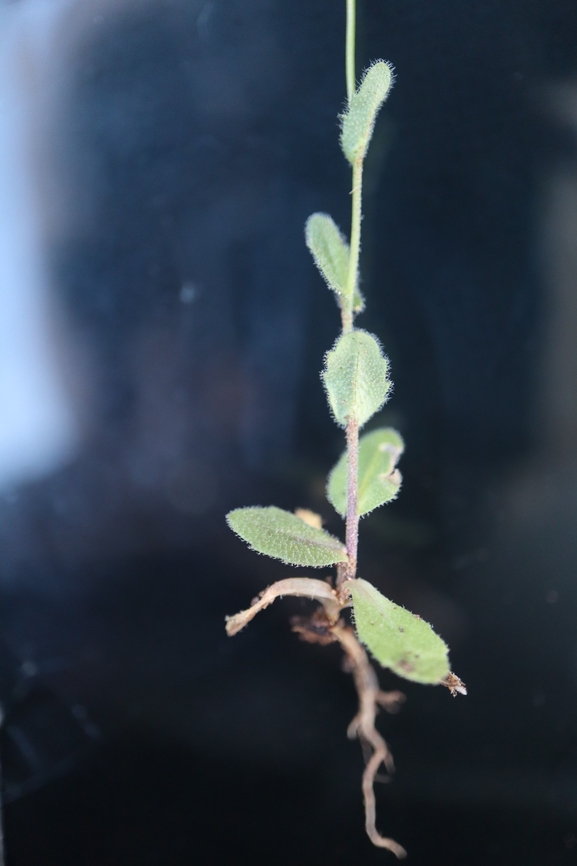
[{"x": 174, "y": 150}]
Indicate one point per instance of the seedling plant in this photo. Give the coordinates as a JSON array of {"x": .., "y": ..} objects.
[{"x": 357, "y": 384}]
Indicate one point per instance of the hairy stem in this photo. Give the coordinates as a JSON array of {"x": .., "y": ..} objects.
[
  {"x": 355, "y": 248},
  {"x": 352, "y": 525}
]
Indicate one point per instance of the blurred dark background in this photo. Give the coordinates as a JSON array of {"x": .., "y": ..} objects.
[{"x": 162, "y": 329}]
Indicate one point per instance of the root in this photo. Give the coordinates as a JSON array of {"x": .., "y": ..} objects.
[
  {"x": 324, "y": 626},
  {"x": 363, "y": 727},
  {"x": 370, "y": 808}
]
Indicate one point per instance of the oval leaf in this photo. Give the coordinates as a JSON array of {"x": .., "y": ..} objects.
[
  {"x": 355, "y": 377},
  {"x": 397, "y": 638},
  {"x": 359, "y": 119},
  {"x": 330, "y": 252},
  {"x": 329, "y": 249},
  {"x": 378, "y": 480},
  {"x": 285, "y": 536}
]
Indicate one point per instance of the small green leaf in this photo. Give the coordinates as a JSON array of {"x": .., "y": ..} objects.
[
  {"x": 359, "y": 119},
  {"x": 397, "y": 638},
  {"x": 378, "y": 480},
  {"x": 329, "y": 249},
  {"x": 355, "y": 377},
  {"x": 285, "y": 536}
]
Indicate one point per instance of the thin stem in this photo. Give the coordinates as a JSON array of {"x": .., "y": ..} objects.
[
  {"x": 350, "y": 47},
  {"x": 352, "y": 527},
  {"x": 355, "y": 248}
]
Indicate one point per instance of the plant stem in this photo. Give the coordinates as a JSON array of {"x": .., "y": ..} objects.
[
  {"x": 352, "y": 523},
  {"x": 350, "y": 48},
  {"x": 352, "y": 526},
  {"x": 355, "y": 247}
]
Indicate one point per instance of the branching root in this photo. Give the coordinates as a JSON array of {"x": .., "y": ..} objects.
[
  {"x": 325, "y": 626},
  {"x": 363, "y": 726}
]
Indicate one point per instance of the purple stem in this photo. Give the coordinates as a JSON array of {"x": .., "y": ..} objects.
[{"x": 352, "y": 530}]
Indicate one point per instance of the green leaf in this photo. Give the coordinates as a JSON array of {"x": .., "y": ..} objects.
[
  {"x": 378, "y": 480},
  {"x": 355, "y": 377},
  {"x": 285, "y": 536},
  {"x": 359, "y": 119},
  {"x": 329, "y": 249},
  {"x": 397, "y": 638}
]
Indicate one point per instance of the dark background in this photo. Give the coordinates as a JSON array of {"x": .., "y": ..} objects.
[{"x": 189, "y": 143}]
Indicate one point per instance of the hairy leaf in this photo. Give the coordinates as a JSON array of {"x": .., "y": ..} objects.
[
  {"x": 359, "y": 119},
  {"x": 378, "y": 480},
  {"x": 285, "y": 536},
  {"x": 397, "y": 638},
  {"x": 355, "y": 377},
  {"x": 329, "y": 249}
]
